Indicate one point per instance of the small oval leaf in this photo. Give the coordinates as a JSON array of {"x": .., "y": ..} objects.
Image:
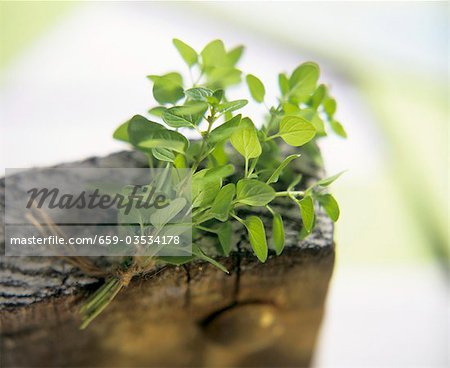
[
  {"x": 276, "y": 174},
  {"x": 257, "y": 237},
  {"x": 224, "y": 131},
  {"x": 330, "y": 205},
  {"x": 296, "y": 131},
  {"x": 167, "y": 88},
  {"x": 198, "y": 93},
  {"x": 245, "y": 139},
  {"x": 278, "y": 233},
  {"x": 121, "y": 133},
  {"x": 307, "y": 211},
  {"x": 185, "y": 116},
  {"x": 187, "y": 52},
  {"x": 254, "y": 192},
  {"x": 222, "y": 204},
  {"x": 256, "y": 88},
  {"x": 225, "y": 233},
  {"x": 231, "y": 106}
]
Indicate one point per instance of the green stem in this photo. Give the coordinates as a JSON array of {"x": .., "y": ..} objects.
[
  {"x": 237, "y": 218},
  {"x": 271, "y": 137},
  {"x": 270, "y": 209},
  {"x": 211, "y": 119},
  {"x": 272, "y": 117},
  {"x": 199, "y": 78},
  {"x": 114, "y": 286},
  {"x": 97, "y": 297},
  {"x": 289, "y": 193},
  {"x": 206, "y": 229},
  {"x": 253, "y": 165}
]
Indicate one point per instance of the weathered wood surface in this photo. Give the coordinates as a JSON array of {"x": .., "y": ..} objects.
[{"x": 259, "y": 315}]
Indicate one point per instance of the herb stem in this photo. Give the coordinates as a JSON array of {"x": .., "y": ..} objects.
[
  {"x": 199, "y": 77},
  {"x": 272, "y": 117},
  {"x": 289, "y": 193},
  {"x": 97, "y": 297},
  {"x": 205, "y": 229},
  {"x": 190, "y": 74},
  {"x": 253, "y": 165},
  {"x": 271, "y": 137},
  {"x": 114, "y": 286},
  {"x": 237, "y": 218},
  {"x": 211, "y": 119}
]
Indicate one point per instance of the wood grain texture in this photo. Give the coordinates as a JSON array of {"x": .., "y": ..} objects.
[{"x": 259, "y": 315}]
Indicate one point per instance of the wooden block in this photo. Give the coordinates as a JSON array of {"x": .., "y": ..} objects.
[{"x": 194, "y": 315}]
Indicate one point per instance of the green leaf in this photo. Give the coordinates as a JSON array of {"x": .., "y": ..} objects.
[
  {"x": 139, "y": 127},
  {"x": 303, "y": 80},
  {"x": 327, "y": 181},
  {"x": 167, "y": 88},
  {"x": 278, "y": 233},
  {"x": 222, "y": 77},
  {"x": 121, "y": 133},
  {"x": 275, "y": 175},
  {"x": 313, "y": 117},
  {"x": 257, "y": 237},
  {"x": 330, "y": 205},
  {"x": 235, "y": 54},
  {"x": 329, "y": 106},
  {"x": 163, "y": 154},
  {"x": 224, "y": 233},
  {"x": 198, "y": 93},
  {"x": 185, "y": 116},
  {"x": 204, "y": 189},
  {"x": 220, "y": 172},
  {"x": 254, "y": 192},
  {"x": 296, "y": 131},
  {"x": 165, "y": 139},
  {"x": 307, "y": 211},
  {"x": 223, "y": 202},
  {"x": 290, "y": 109},
  {"x": 338, "y": 128},
  {"x": 224, "y": 131},
  {"x": 318, "y": 96},
  {"x": 303, "y": 233},
  {"x": 245, "y": 139},
  {"x": 283, "y": 83},
  {"x": 214, "y": 54},
  {"x": 200, "y": 254},
  {"x": 309, "y": 114},
  {"x": 180, "y": 161},
  {"x": 157, "y": 111},
  {"x": 218, "y": 155},
  {"x": 256, "y": 88},
  {"x": 296, "y": 180},
  {"x": 145, "y": 134},
  {"x": 218, "y": 95},
  {"x": 231, "y": 106},
  {"x": 164, "y": 215},
  {"x": 187, "y": 52},
  {"x": 176, "y": 260}
]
